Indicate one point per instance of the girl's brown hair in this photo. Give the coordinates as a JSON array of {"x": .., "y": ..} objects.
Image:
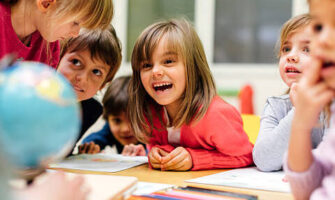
[
  {"x": 200, "y": 87},
  {"x": 102, "y": 44},
  {"x": 291, "y": 26}
]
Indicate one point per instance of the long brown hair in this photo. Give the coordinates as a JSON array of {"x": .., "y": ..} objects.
[{"x": 200, "y": 86}]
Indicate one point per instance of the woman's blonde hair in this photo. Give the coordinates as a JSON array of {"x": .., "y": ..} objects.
[
  {"x": 291, "y": 26},
  {"x": 200, "y": 87},
  {"x": 96, "y": 14}
]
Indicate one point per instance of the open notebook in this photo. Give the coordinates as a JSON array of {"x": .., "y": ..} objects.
[{"x": 100, "y": 162}]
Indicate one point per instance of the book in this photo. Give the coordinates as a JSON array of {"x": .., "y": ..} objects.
[
  {"x": 144, "y": 188},
  {"x": 104, "y": 187},
  {"x": 100, "y": 162}
]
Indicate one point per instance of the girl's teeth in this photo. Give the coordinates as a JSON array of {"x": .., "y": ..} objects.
[{"x": 162, "y": 87}]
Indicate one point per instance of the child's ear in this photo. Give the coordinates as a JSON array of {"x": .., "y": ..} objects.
[{"x": 43, "y": 5}]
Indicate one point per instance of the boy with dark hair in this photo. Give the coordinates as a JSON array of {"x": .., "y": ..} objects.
[{"x": 117, "y": 129}]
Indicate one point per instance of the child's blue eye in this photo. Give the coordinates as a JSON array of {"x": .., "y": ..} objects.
[
  {"x": 76, "y": 62},
  {"x": 306, "y": 49},
  {"x": 97, "y": 72},
  {"x": 286, "y": 49}
]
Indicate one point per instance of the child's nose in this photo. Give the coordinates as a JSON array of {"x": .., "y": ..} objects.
[
  {"x": 293, "y": 57},
  {"x": 81, "y": 76},
  {"x": 157, "y": 71},
  {"x": 125, "y": 128}
]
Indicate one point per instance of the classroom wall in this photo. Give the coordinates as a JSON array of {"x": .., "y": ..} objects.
[{"x": 264, "y": 78}]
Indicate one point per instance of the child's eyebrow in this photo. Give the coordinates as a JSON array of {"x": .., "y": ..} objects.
[
  {"x": 81, "y": 58},
  {"x": 306, "y": 41},
  {"x": 170, "y": 53},
  {"x": 286, "y": 42}
]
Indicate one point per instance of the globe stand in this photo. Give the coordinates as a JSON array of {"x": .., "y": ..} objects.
[{"x": 29, "y": 174}]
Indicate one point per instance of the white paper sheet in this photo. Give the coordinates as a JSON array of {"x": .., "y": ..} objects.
[
  {"x": 144, "y": 188},
  {"x": 247, "y": 178},
  {"x": 100, "y": 162}
]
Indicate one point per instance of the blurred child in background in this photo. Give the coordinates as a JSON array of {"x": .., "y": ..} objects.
[
  {"x": 311, "y": 173},
  {"x": 117, "y": 130}
]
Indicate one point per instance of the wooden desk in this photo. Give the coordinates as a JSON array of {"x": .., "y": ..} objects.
[{"x": 144, "y": 173}]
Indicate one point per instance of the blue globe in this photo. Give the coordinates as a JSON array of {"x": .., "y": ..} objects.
[{"x": 39, "y": 114}]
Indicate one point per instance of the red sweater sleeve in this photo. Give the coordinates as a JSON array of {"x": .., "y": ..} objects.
[{"x": 218, "y": 139}]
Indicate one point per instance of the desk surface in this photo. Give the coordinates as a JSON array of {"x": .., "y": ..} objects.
[{"x": 144, "y": 173}]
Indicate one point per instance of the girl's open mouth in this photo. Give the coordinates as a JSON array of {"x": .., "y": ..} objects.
[
  {"x": 162, "y": 86},
  {"x": 291, "y": 70}
]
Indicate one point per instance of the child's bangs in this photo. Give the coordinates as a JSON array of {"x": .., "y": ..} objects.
[
  {"x": 148, "y": 45},
  {"x": 99, "y": 50},
  {"x": 174, "y": 43},
  {"x": 145, "y": 49},
  {"x": 92, "y": 14}
]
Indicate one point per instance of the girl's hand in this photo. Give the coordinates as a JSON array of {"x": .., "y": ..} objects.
[
  {"x": 155, "y": 156},
  {"x": 310, "y": 95},
  {"x": 89, "y": 148},
  {"x": 133, "y": 150},
  {"x": 179, "y": 160}
]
